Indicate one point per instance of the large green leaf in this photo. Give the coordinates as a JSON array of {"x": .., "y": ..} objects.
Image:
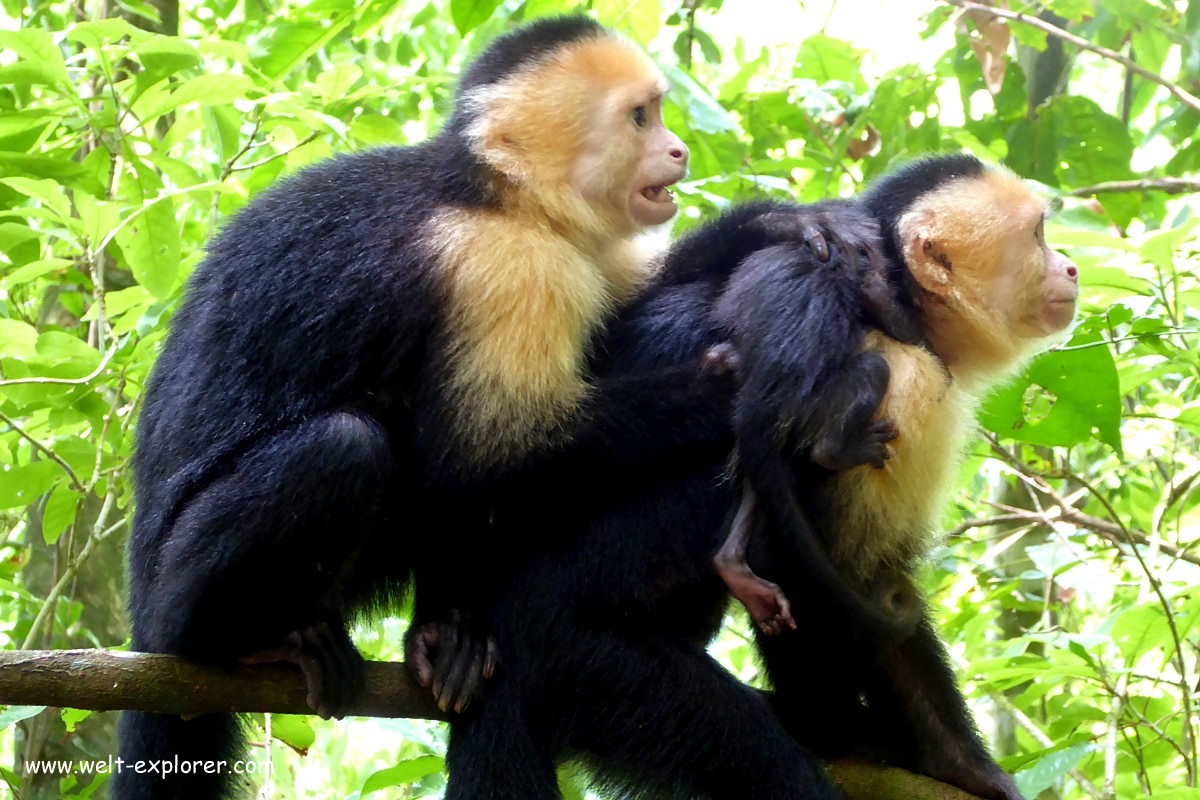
[
  {"x": 402, "y": 774},
  {"x": 1080, "y": 384}
]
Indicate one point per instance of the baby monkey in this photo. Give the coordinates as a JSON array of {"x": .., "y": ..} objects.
[{"x": 808, "y": 404}]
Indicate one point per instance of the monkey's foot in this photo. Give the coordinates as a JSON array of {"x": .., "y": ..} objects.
[
  {"x": 872, "y": 447},
  {"x": 332, "y": 666},
  {"x": 452, "y": 658},
  {"x": 765, "y": 601},
  {"x": 984, "y": 779}
]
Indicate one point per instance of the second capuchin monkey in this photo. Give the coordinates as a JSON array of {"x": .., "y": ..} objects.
[{"x": 801, "y": 417}]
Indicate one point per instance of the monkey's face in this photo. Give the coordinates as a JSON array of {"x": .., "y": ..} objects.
[
  {"x": 629, "y": 158},
  {"x": 581, "y": 135},
  {"x": 977, "y": 246}
]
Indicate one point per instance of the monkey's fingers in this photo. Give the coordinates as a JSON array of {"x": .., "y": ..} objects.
[
  {"x": 466, "y": 678},
  {"x": 492, "y": 659},
  {"x": 447, "y": 650},
  {"x": 814, "y": 237},
  {"x": 417, "y": 649}
]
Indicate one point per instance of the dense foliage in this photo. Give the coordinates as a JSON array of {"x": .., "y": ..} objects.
[{"x": 1068, "y": 586}]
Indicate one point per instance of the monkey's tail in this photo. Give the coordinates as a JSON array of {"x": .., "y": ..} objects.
[{"x": 165, "y": 757}]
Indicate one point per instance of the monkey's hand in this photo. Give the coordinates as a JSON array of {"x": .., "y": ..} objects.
[
  {"x": 332, "y": 666},
  {"x": 837, "y": 233},
  {"x": 872, "y": 446},
  {"x": 452, "y": 659}
]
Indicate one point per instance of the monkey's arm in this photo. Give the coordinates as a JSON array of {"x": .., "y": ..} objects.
[{"x": 714, "y": 250}]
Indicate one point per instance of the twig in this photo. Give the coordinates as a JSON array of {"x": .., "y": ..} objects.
[
  {"x": 76, "y": 484},
  {"x": 253, "y": 164},
  {"x": 228, "y": 168},
  {"x": 99, "y": 534},
  {"x": 91, "y": 376},
  {"x": 1117, "y": 534},
  {"x": 1168, "y": 185},
  {"x": 1169, "y": 612},
  {"x": 1057, "y": 32}
]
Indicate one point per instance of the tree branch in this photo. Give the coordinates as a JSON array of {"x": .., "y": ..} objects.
[
  {"x": 1168, "y": 185},
  {"x": 105, "y": 680},
  {"x": 1057, "y": 32}
]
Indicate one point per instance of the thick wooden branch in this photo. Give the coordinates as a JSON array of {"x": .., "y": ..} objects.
[
  {"x": 106, "y": 680},
  {"x": 109, "y": 680}
]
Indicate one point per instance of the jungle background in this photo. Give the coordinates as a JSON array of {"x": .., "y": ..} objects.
[{"x": 1068, "y": 584}]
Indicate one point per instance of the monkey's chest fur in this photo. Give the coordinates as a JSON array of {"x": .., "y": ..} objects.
[{"x": 886, "y": 517}]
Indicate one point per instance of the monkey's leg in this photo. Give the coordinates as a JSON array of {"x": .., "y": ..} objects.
[
  {"x": 787, "y": 523},
  {"x": 765, "y": 601},
  {"x": 913, "y": 685},
  {"x": 847, "y": 437},
  {"x": 253, "y": 563},
  {"x": 629, "y": 707}
]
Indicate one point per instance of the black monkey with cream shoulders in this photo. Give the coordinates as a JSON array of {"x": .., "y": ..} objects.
[
  {"x": 604, "y": 635},
  {"x": 374, "y": 349}
]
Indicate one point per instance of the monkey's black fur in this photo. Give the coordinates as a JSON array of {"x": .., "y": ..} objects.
[
  {"x": 604, "y": 633},
  {"x": 294, "y": 462}
]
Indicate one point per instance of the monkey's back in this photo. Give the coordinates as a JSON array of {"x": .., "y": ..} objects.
[{"x": 314, "y": 296}]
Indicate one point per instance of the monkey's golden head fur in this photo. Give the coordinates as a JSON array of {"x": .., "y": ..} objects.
[{"x": 560, "y": 136}]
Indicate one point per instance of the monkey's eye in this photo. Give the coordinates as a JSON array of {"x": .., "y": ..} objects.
[
  {"x": 639, "y": 116},
  {"x": 1039, "y": 233}
]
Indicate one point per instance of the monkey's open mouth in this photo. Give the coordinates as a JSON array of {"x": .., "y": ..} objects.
[{"x": 658, "y": 194}]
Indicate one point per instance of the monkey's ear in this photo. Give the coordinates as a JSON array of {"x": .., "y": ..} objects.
[
  {"x": 926, "y": 259},
  {"x": 496, "y": 143}
]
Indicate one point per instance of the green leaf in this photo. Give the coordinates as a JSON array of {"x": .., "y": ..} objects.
[
  {"x": 71, "y": 717},
  {"x": 151, "y": 245},
  {"x": 59, "y": 512},
  {"x": 334, "y": 84},
  {"x": 641, "y": 19},
  {"x": 14, "y": 714},
  {"x": 22, "y": 485},
  {"x": 294, "y": 731},
  {"x": 96, "y": 34},
  {"x": 49, "y": 193},
  {"x": 703, "y": 112},
  {"x": 98, "y": 216},
  {"x": 13, "y": 234},
  {"x": 35, "y": 269},
  {"x": 470, "y": 14},
  {"x": 18, "y": 339},
  {"x": 825, "y": 59},
  {"x": 209, "y": 90},
  {"x": 376, "y": 129},
  {"x": 55, "y": 348},
  {"x": 1082, "y": 387},
  {"x": 165, "y": 55},
  {"x": 402, "y": 774},
  {"x": 1049, "y": 768},
  {"x": 37, "y": 48}
]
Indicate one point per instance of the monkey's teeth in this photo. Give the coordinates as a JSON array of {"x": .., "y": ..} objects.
[{"x": 657, "y": 194}]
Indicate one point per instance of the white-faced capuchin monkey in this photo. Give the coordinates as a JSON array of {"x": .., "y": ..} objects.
[
  {"x": 836, "y": 415},
  {"x": 604, "y": 635},
  {"x": 371, "y": 350}
]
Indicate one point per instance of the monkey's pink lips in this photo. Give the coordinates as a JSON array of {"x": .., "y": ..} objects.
[{"x": 658, "y": 194}]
